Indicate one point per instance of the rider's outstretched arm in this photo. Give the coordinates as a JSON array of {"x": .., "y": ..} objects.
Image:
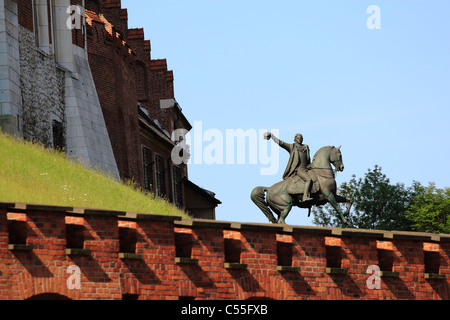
[{"x": 281, "y": 143}]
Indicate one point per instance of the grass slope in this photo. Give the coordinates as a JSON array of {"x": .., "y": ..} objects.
[{"x": 33, "y": 174}]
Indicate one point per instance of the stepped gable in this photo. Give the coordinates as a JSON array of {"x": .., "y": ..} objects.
[
  {"x": 111, "y": 37},
  {"x": 142, "y": 47},
  {"x": 154, "y": 82},
  {"x": 113, "y": 11}
]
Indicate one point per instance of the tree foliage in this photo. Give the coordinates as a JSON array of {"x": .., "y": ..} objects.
[
  {"x": 377, "y": 204},
  {"x": 430, "y": 210}
]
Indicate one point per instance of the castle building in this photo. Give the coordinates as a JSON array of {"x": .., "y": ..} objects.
[{"x": 73, "y": 76}]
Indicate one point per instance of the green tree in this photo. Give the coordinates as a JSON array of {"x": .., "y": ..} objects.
[
  {"x": 430, "y": 210},
  {"x": 377, "y": 204}
]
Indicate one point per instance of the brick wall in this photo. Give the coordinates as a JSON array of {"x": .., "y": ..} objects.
[
  {"x": 160, "y": 88},
  {"x": 158, "y": 81},
  {"x": 136, "y": 256},
  {"x": 112, "y": 9},
  {"x": 25, "y": 13}
]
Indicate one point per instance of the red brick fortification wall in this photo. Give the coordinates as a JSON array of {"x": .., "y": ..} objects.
[{"x": 74, "y": 253}]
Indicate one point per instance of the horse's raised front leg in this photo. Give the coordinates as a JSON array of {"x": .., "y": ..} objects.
[{"x": 331, "y": 198}]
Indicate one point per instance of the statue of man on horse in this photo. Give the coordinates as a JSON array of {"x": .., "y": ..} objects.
[
  {"x": 304, "y": 184},
  {"x": 298, "y": 165}
]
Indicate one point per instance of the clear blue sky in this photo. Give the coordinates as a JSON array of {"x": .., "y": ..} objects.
[{"x": 315, "y": 68}]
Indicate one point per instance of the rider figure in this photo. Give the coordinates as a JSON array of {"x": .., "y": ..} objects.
[{"x": 299, "y": 161}]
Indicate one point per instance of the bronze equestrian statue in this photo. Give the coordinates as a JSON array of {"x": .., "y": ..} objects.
[{"x": 304, "y": 184}]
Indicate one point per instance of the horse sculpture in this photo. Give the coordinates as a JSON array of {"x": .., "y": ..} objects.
[{"x": 280, "y": 200}]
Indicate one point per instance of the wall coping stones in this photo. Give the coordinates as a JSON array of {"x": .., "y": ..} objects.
[
  {"x": 131, "y": 256},
  {"x": 392, "y": 274},
  {"x": 336, "y": 270},
  {"x": 147, "y": 216},
  {"x": 288, "y": 268},
  {"x": 6, "y": 205},
  {"x": 202, "y": 223},
  {"x": 205, "y": 223},
  {"x": 99, "y": 212},
  {"x": 185, "y": 260},
  {"x": 21, "y": 206},
  {"x": 363, "y": 233},
  {"x": 434, "y": 276},
  {"x": 235, "y": 265},
  {"x": 20, "y": 247},
  {"x": 259, "y": 227},
  {"x": 77, "y": 252},
  {"x": 316, "y": 230}
]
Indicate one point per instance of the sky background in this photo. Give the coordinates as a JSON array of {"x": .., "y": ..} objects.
[{"x": 309, "y": 67}]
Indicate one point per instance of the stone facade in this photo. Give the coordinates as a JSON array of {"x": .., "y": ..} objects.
[
  {"x": 46, "y": 88},
  {"x": 10, "y": 93},
  {"x": 42, "y": 85}
]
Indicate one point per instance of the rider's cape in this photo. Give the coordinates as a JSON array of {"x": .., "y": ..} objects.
[{"x": 294, "y": 159}]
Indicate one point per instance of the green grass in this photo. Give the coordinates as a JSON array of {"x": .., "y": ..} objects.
[{"x": 30, "y": 173}]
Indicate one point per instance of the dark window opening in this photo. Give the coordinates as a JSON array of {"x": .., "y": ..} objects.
[
  {"x": 284, "y": 253},
  {"x": 75, "y": 236},
  {"x": 232, "y": 250},
  {"x": 17, "y": 232},
  {"x": 432, "y": 262},
  {"x": 333, "y": 256},
  {"x": 385, "y": 259},
  {"x": 127, "y": 240},
  {"x": 58, "y": 136},
  {"x": 183, "y": 245}
]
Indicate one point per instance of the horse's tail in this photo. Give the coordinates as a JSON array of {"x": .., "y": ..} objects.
[{"x": 258, "y": 196}]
